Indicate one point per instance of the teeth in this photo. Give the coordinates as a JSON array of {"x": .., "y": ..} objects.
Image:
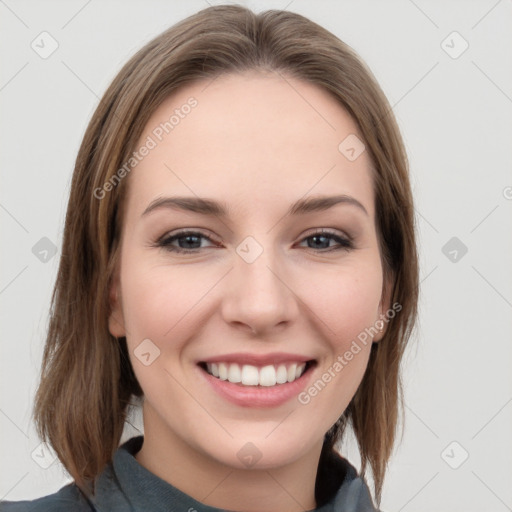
[
  {"x": 291, "y": 372},
  {"x": 268, "y": 376},
  {"x": 249, "y": 375},
  {"x": 223, "y": 371},
  {"x": 282, "y": 374},
  {"x": 234, "y": 374}
]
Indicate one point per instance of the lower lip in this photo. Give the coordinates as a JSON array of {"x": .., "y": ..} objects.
[{"x": 258, "y": 396}]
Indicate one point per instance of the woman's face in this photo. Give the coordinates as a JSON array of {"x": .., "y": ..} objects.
[{"x": 260, "y": 291}]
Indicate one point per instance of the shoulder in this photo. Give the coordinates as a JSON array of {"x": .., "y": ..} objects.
[
  {"x": 109, "y": 495},
  {"x": 354, "y": 495},
  {"x": 351, "y": 491},
  {"x": 68, "y": 499}
]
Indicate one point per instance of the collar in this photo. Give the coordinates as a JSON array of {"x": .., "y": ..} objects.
[{"x": 143, "y": 490}]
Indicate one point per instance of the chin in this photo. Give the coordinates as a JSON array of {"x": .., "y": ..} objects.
[{"x": 253, "y": 452}]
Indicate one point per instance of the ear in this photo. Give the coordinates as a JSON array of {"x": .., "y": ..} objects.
[
  {"x": 116, "y": 318},
  {"x": 384, "y": 306}
]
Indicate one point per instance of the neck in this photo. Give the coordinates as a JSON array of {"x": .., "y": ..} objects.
[{"x": 287, "y": 488}]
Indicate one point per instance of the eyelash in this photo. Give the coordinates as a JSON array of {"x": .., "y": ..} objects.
[{"x": 345, "y": 244}]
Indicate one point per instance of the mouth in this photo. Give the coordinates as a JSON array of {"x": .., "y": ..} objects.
[{"x": 253, "y": 376}]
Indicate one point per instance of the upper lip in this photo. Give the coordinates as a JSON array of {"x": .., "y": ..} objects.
[{"x": 257, "y": 359}]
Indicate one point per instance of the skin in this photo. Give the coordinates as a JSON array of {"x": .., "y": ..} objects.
[{"x": 258, "y": 144}]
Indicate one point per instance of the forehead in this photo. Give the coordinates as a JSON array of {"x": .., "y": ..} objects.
[{"x": 250, "y": 139}]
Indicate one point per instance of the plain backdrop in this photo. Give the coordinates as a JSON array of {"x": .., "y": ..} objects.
[{"x": 446, "y": 67}]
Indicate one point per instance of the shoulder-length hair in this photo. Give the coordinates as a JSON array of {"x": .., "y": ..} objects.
[{"x": 86, "y": 379}]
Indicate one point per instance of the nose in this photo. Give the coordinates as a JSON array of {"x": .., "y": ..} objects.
[{"x": 257, "y": 296}]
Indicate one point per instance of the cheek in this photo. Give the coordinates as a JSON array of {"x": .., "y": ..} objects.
[
  {"x": 159, "y": 304},
  {"x": 155, "y": 300},
  {"x": 346, "y": 301},
  {"x": 347, "y": 306},
  {"x": 158, "y": 300}
]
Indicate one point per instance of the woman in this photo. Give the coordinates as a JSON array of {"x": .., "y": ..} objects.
[{"x": 239, "y": 252}]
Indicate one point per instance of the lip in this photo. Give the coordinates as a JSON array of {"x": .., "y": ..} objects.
[
  {"x": 257, "y": 396},
  {"x": 257, "y": 359}
]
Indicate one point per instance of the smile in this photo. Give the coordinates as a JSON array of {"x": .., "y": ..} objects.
[{"x": 250, "y": 375}]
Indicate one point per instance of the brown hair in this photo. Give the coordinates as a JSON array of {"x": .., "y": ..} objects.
[{"x": 86, "y": 378}]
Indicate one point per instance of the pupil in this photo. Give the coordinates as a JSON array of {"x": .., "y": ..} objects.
[
  {"x": 317, "y": 237},
  {"x": 190, "y": 239}
]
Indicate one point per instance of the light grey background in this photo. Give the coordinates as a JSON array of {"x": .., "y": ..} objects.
[{"x": 455, "y": 116}]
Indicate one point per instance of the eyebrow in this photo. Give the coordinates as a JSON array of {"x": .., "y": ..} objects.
[{"x": 207, "y": 206}]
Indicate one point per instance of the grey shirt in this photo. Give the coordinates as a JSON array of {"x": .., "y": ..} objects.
[{"x": 127, "y": 486}]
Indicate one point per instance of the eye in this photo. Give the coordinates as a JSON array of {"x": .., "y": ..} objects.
[
  {"x": 321, "y": 241},
  {"x": 188, "y": 242}
]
